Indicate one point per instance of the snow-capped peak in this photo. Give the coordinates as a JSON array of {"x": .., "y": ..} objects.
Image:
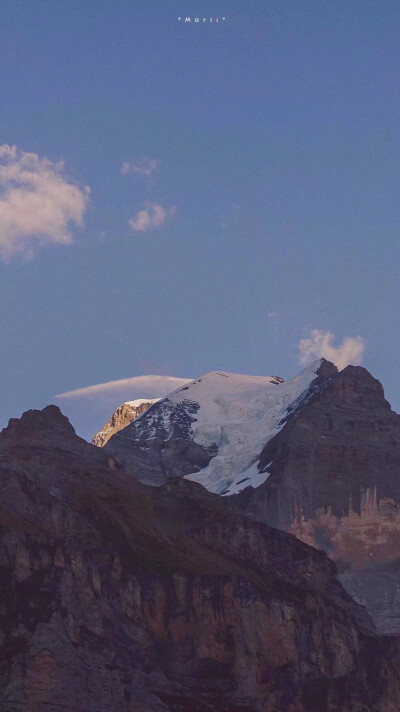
[
  {"x": 240, "y": 414},
  {"x": 213, "y": 429}
]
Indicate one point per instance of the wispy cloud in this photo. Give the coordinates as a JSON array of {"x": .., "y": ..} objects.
[
  {"x": 144, "y": 166},
  {"x": 152, "y": 216},
  {"x": 38, "y": 203},
  {"x": 89, "y": 407},
  {"x": 320, "y": 345},
  {"x": 131, "y": 388}
]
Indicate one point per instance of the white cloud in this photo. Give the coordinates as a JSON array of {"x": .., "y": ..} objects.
[
  {"x": 320, "y": 345},
  {"x": 144, "y": 167},
  {"x": 129, "y": 388},
  {"x": 152, "y": 215},
  {"x": 37, "y": 203}
]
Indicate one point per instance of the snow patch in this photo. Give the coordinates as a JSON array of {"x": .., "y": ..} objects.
[
  {"x": 139, "y": 401},
  {"x": 239, "y": 414}
]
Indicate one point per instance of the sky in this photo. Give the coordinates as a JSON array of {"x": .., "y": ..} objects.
[{"x": 181, "y": 197}]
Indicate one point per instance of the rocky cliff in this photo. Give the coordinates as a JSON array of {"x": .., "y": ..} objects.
[
  {"x": 335, "y": 482},
  {"x": 123, "y": 416},
  {"x": 118, "y": 596}
]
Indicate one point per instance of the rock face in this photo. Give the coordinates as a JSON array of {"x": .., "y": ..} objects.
[
  {"x": 123, "y": 416},
  {"x": 118, "y": 596},
  {"x": 335, "y": 482},
  {"x": 318, "y": 456}
]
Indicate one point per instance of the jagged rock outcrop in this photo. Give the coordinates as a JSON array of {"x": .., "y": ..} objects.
[
  {"x": 123, "y": 416},
  {"x": 118, "y": 596}
]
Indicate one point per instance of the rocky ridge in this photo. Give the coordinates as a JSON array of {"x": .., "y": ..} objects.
[
  {"x": 123, "y": 416},
  {"x": 118, "y": 596}
]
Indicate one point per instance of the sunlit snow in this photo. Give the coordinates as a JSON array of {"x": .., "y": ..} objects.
[
  {"x": 139, "y": 401},
  {"x": 240, "y": 414}
]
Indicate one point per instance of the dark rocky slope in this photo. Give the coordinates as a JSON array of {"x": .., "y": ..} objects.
[
  {"x": 162, "y": 447},
  {"x": 117, "y": 596}
]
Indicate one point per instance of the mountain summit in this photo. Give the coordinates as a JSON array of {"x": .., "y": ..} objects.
[{"x": 214, "y": 428}]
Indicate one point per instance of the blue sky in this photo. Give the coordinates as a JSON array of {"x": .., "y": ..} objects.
[{"x": 261, "y": 186}]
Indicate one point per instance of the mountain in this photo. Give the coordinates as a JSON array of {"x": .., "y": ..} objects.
[
  {"x": 216, "y": 426},
  {"x": 124, "y": 414},
  {"x": 318, "y": 456},
  {"x": 119, "y": 596}
]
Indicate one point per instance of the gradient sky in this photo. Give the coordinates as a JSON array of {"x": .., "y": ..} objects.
[{"x": 272, "y": 143}]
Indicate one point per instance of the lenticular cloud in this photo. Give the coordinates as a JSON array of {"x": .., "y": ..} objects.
[{"x": 38, "y": 204}]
